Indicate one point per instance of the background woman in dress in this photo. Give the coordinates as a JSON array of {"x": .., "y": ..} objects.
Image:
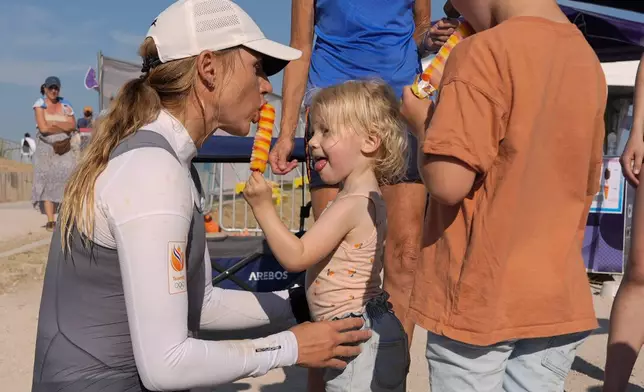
[{"x": 55, "y": 120}]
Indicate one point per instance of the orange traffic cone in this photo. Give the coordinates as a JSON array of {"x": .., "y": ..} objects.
[{"x": 211, "y": 225}]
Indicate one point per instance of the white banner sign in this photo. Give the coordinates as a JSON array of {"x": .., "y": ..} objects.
[{"x": 114, "y": 74}]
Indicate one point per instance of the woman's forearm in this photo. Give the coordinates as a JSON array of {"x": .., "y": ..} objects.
[
  {"x": 296, "y": 72},
  {"x": 422, "y": 21},
  {"x": 68, "y": 126},
  {"x": 295, "y": 81},
  {"x": 51, "y": 128},
  {"x": 60, "y": 127},
  {"x": 638, "y": 103},
  {"x": 169, "y": 359},
  {"x": 626, "y": 335}
]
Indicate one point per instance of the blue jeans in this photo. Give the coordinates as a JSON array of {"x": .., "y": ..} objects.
[
  {"x": 383, "y": 363},
  {"x": 526, "y": 365}
]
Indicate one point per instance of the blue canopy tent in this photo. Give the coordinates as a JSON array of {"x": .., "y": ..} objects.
[
  {"x": 626, "y": 5},
  {"x": 237, "y": 149},
  {"x": 613, "y": 39}
]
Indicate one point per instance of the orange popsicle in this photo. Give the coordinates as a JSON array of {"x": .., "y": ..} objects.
[
  {"x": 426, "y": 84},
  {"x": 263, "y": 137}
]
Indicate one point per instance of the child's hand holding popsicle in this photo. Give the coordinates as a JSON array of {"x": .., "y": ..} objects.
[{"x": 258, "y": 193}]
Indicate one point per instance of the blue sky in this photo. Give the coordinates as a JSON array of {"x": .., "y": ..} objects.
[{"x": 62, "y": 38}]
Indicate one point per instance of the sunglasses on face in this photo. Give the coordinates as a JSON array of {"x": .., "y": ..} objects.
[{"x": 54, "y": 88}]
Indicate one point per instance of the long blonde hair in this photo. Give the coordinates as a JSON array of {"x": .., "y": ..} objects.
[
  {"x": 368, "y": 106},
  {"x": 139, "y": 101}
]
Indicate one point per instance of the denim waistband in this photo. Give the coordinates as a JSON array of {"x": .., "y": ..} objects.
[{"x": 373, "y": 309}]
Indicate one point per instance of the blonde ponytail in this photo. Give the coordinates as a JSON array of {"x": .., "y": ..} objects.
[
  {"x": 164, "y": 86},
  {"x": 138, "y": 103}
]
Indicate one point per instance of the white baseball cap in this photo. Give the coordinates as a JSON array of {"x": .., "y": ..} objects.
[{"x": 188, "y": 27}]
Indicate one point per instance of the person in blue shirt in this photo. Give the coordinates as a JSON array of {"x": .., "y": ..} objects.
[
  {"x": 363, "y": 39},
  {"x": 87, "y": 121}
]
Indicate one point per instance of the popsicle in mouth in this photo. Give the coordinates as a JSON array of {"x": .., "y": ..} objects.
[
  {"x": 263, "y": 137},
  {"x": 426, "y": 84}
]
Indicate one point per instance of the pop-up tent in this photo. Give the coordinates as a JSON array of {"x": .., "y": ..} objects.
[
  {"x": 626, "y": 5},
  {"x": 612, "y": 38}
]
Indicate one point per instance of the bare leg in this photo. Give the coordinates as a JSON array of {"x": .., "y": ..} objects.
[
  {"x": 626, "y": 333},
  {"x": 49, "y": 211},
  {"x": 405, "y": 213}
]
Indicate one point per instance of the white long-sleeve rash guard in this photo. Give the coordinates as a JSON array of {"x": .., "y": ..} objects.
[{"x": 143, "y": 202}]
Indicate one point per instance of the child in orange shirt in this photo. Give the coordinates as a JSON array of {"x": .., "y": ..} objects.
[{"x": 511, "y": 159}]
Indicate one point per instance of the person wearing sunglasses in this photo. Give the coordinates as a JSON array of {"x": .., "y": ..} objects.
[{"x": 53, "y": 162}]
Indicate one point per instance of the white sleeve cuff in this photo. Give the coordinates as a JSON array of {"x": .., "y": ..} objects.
[{"x": 275, "y": 351}]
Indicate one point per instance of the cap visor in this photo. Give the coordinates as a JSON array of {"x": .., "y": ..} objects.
[{"x": 276, "y": 55}]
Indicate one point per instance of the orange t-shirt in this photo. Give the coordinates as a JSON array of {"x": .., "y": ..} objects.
[{"x": 523, "y": 105}]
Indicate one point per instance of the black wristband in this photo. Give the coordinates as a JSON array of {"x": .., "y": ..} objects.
[{"x": 299, "y": 306}]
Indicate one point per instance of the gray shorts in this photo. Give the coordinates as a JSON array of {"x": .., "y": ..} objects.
[
  {"x": 412, "y": 175},
  {"x": 383, "y": 363},
  {"x": 526, "y": 365}
]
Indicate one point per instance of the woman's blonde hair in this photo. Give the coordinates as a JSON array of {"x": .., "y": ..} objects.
[
  {"x": 372, "y": 107},
  {"x": 139, "y": 101}
]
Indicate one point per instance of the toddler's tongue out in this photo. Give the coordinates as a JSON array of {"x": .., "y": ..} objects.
[{"x": 320, "y": 163}]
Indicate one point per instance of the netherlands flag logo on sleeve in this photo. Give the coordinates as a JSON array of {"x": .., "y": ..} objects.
[{"x": 176, "y": 259}]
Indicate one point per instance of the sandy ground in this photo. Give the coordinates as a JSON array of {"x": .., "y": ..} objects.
[
  {"x": 7, "y": 165},
  {"x": 18, "y": 221},
  {"x": 21, "y": 284}
]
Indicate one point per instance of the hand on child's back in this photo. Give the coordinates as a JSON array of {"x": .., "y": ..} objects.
[
  {"x": 258, "y": 192},
  {"x": 327, "y": 344}
]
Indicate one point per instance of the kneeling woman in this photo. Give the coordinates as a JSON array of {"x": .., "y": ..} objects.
[{"x": 127, "y": 285}]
